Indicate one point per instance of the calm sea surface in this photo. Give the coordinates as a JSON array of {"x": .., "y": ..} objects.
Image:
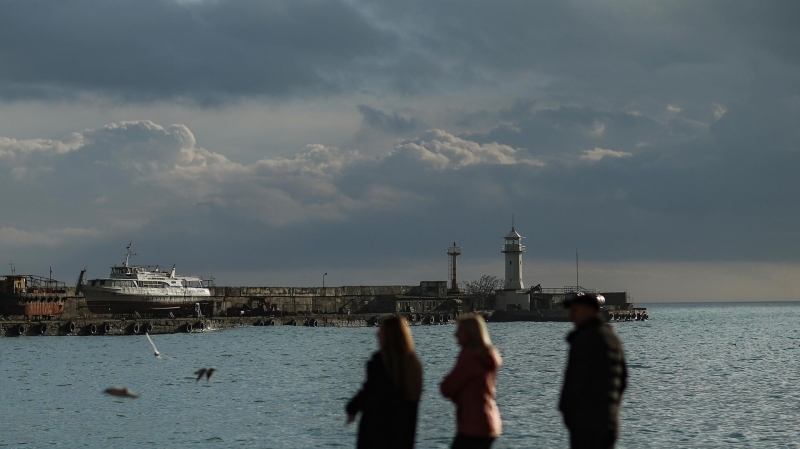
[{"x": 701, "y": 375}]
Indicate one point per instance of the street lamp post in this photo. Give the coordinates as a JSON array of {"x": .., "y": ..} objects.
[{"x": 323, "y": 284}]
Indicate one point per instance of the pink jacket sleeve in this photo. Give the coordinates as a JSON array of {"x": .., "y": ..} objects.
[{"x": 459, "y": 377}]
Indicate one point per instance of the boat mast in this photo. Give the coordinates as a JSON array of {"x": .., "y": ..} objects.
[{"x": 128, "y": 254}]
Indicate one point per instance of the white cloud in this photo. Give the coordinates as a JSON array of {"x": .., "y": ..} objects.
[
  {"x": 134, "y": 171},
  {"x": 438, "y": 150},
  {"x": 719, "y": 110},
  {"x": 16, "y": 148},
  {"x": 12, "y": 237},
  {"x": 15, "y": 237},
  {"x": 596, "y": 154},
  {"x": 598, "y": 128}
]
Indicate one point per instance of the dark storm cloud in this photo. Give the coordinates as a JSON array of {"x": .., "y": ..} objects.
[
  {"x": 392, "y": 123},
  {"x": 620, "y": 55},
  {"x": 202, "y": 51}
]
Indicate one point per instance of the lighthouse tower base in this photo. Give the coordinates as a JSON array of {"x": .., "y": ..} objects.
[{"x": 512, "y": 300}]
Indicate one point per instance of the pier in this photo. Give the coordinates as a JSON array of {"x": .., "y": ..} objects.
[
  {"x": 127, "y": 326},
  {"x": 429, "y": 303}
]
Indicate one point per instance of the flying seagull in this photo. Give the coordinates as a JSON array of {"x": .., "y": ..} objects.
[
  {"x": 120, "y": 392},
  {"x": 208, "y": 372},
  {"x": 155, "y": 350}
]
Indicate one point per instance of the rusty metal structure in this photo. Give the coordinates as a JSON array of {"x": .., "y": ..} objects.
[
  {"x": 452, "y": 253},
  {"x": 29, "y": 295}
]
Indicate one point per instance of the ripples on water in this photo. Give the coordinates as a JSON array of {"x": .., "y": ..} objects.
[{"x": 701, "y": 375}]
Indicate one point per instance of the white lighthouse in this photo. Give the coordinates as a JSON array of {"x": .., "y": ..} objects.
[
  {"x": 513, "y": 250},
  {"x": 513, "y": 295}
]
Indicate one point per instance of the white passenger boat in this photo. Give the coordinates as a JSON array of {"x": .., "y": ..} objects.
[{"x": 143, "y": 289}]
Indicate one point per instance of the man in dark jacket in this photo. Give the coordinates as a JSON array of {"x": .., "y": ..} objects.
[{"x": 595, "y": 378}]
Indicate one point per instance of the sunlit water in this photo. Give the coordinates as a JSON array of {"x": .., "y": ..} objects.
[{"x": 701, "y": 375}]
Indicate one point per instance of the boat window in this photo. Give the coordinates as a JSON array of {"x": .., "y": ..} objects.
[
  {"x": 123, "y": 284},
  {"x": 153, "y": 284}
]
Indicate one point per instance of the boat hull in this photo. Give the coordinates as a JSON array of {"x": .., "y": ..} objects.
[
  {"x": 29, "y": 306},
  {"x": 100, "y": 301}
]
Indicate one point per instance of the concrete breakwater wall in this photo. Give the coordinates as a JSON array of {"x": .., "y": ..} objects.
[
  {"x": 109, "y": 327},
  {"x": 357, "y": 298},
  {"x": 345, "y": 306}
]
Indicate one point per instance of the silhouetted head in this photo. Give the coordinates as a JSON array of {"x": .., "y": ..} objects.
[
  {"x": 589, "y": 299},
  {"x": 397, "y": 354},
  {"x": 582, "y": 306},
  {"x": 471, "y": 333},
  {"x": 395, "y": 336}
]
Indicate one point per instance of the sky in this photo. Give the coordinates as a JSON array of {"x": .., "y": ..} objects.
[{"x": 269, "y": 143}]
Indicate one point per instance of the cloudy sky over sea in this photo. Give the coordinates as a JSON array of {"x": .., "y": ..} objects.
[{"x": 267, "y": 143}]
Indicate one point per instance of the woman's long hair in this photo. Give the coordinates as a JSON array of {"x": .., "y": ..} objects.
[
  {"x": 474, "y": 327},
  {"x": 397, "y": 353}
]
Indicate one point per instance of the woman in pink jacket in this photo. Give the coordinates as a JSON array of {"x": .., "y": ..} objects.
[{"x": 471, "y": 386}]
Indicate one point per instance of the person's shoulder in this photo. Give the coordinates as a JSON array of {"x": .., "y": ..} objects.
[
  {"x": 488, "y": 359},
  {"x": 606, "y": 329},
  {"x": 608, "y": 334},
  {"x": 375, "y": 360},
  {"x": 497, "y": 359}
]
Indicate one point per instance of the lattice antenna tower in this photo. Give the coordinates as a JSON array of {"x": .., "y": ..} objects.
[{"x": 452, "y": 266}]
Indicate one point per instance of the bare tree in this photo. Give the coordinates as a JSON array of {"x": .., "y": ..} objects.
[
  {"x": 483, "y": 288},
  {"x": 486, "y": 285}
]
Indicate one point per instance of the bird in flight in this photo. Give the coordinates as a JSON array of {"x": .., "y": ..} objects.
[
  {"x": 155, "y": 350},
  {"x": 208, "y": 372},
  {"x": 153, "y": 344},
  {"x": 120, "y": 392}
]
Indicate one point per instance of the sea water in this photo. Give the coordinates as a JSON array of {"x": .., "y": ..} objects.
[{"x": 701, "y": 375}]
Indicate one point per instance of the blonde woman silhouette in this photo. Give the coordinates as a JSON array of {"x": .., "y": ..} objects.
[{"x": 471, "y": 386}]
